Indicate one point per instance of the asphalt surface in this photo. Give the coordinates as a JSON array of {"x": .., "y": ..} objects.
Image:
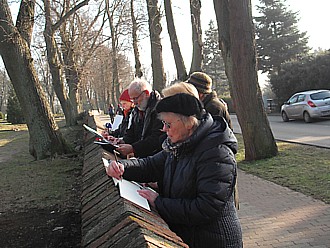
[{"x": 297, "y": 131}]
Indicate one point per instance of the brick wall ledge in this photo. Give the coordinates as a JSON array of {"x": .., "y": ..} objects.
[{"x": 107, "y": 220}]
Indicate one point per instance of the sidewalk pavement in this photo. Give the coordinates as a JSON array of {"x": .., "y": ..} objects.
[{"x": 275, "y": 216}]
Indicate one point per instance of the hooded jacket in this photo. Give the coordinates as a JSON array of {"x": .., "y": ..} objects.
[{"x": 196, "y": 187}]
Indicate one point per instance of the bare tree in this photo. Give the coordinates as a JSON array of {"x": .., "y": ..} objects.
[
  {"x": 45, "y": 138},
  {"x": 179, "y": 62},
  {"x": 45, "y": 80},
  {"x": 138, "y": 70},
  {"x": 97, "y": 84},
  {"x": 116, "y": 6},
  {"x": 155, "y": 30},
  {"x": 4, "y": 89},
  {"x": 70, "y": 110},
  {"x": 237, "y": 44},
  {"x": 197, "y": 58}
]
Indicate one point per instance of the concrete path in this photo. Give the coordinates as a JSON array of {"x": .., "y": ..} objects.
[{"x": 275, "y": 216}]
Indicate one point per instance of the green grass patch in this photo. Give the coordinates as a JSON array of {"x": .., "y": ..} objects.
[
  {"x": 302, "y": 168},
  {"x": 27, "y": 183}
]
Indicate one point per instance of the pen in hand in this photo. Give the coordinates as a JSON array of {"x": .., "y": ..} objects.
[{"x": 116, "y": 159}]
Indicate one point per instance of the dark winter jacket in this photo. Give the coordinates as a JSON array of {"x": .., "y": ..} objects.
[
  {"x": 145, "y": 132},
  {"x": 196, "y": 188},
  {"x": 215, "y": 107}
]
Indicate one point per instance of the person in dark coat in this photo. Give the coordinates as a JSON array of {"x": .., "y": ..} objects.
[
  {"x": 144, "y": 137},
  {"x": 212, "y": 103},
  {"x": 111, "y": 113},
  {"x": 196, "y": 174},
  {"x": 119, "y": 110},
  {"x": 127, "y": 107}
]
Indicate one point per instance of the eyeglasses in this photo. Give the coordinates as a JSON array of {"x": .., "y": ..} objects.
[
  {"x": 136, "y": 98},
  {"x": 169, "y": 124}
]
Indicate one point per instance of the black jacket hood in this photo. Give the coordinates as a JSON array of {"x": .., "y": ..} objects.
[{"x": 217, "y": 131}]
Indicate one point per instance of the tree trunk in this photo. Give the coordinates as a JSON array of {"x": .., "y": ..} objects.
[
  {"x": 138, "y": 70},
  {"x": 55, "y": 68},
  {"x": 45, "y": 138},
  {"x": 71, "y": 74},
  {"x": 197, "y": 58},
  {"x": 114, "y": 39},
  {"x": 236, "y": 39},
  {"x": 155, "y": 29},
  {"x": 179, "y": 62}
]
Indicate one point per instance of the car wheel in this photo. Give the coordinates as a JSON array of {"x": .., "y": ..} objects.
[
  {"x": 307, "y": 117},
  {"x": 284, "y": 117}
]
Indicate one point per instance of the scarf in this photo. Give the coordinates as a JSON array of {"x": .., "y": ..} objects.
[{"x": 175, "y": 149}]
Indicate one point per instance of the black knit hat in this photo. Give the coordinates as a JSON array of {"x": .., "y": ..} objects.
[
  {"x": 181, "y": 103},
  {"x": 201, "y": 81}
]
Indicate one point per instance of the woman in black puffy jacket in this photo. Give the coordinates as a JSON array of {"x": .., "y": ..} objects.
[{"x": 196, "y": 174}]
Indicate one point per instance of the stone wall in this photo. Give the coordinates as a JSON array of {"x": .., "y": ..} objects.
[{"x": 109, "y": 220}]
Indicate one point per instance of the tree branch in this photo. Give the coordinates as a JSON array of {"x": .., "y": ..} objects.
[{"x": 69, "y": 13}]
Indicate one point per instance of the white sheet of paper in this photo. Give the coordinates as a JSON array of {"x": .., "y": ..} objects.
[
  {"x": 117, "y": 121},
  {"x": 92, "y": 130},
  {"x": 105, "y": 162},
  {"x": 128, "y": 190}
]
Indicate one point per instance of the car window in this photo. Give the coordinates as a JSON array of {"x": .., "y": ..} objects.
[
  {"x": 301, "y": 98},
  {"x": 320, "y": 95},
  {"x": 293, "y": 99}
]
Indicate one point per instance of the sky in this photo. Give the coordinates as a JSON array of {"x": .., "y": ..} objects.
[{"x": 314, "y": 19}]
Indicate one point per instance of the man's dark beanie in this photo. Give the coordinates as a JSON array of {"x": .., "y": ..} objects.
[
  {"x": 201, "y": 81},
  {"x": 181, "y": 103}
]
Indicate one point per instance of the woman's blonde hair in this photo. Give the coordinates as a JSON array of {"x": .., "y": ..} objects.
[
  {"x": 190, "y": 122},
  {"x": 180, "y": 87}
]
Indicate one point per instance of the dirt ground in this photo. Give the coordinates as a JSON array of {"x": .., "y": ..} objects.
[
  {"x": 30, "y": 220},
  {"x": 40, "y": 228}
]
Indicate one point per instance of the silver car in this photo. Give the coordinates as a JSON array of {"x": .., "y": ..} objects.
[{"x": 307, "y": 105}]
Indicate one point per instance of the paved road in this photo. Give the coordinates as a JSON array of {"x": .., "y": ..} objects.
[{"x": 316, "y": 133}]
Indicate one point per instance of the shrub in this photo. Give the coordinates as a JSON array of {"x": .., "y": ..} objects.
[{"x": 14, "y": 110}]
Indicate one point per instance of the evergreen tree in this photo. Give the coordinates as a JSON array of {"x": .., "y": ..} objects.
[
  {"x": 14, "y": 110},
  {"x": 213, "y": 63},
  {"x": 277, "y": 36},
  {"x": 310, "y": 72}
]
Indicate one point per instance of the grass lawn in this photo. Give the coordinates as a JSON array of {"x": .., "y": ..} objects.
[
  {"x": 26, "y": 182},
  {"x": 302, "y": 168},
  {"x": 40, "y": 200}
]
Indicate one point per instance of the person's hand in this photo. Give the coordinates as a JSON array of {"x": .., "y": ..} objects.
[
  {"x": 152, "y": 185},
  {"x": 125, "y": 149},
  {"x": 117, "y": 141},
  {"x": 115, "y": 170},
  {"x": 149, "y": 195},
  {"x": 105, "y": 134}
]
